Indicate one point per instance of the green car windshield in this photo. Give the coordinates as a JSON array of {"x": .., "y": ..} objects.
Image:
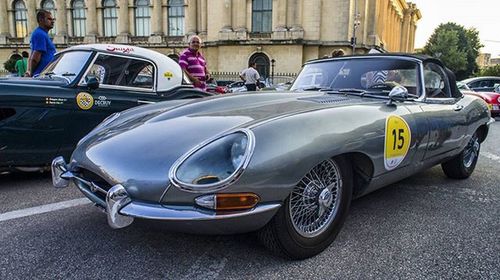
[
  {"x": 67, "y": 64},
  {"x": 376, "y": 75}
]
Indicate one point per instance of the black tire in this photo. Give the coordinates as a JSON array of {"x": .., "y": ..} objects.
[
  {"x": 284, "y": 236},
  {"x": 462, "y": 165}
]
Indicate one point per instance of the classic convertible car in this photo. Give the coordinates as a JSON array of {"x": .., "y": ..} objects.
[
  {"x": 286, "y": 164},
  {"x": 46, "y": 116},
  {"x": 491, "y": 98}
]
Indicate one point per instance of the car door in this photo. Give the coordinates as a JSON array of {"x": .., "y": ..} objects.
[
  {"x": 40, "y": 109},
  {"x": 445, "y": 120},
  {"x": 124, "y": 82}
]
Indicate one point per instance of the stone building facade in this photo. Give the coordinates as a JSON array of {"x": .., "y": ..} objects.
[{"x": 279, "y": 34}]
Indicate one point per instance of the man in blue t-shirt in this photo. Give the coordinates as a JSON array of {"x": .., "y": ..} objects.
[{"x": 42, "y": 48}]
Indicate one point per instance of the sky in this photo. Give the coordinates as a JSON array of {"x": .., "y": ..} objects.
[{"x": 484, "y": 15}]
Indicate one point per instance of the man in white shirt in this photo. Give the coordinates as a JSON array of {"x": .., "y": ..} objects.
[{"x": 250, "y": 76}]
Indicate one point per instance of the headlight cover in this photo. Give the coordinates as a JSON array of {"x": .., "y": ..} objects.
[{"x": 215, "y": 163}]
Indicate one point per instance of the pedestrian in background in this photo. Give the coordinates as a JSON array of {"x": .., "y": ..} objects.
[
  {"x": 250, "y": 76},
  {"x": 22, "y": 64},
  {"x": 337, "y": 53},
  {"x": 42, "y": 48},
  {"x": 194, "y": 64}
]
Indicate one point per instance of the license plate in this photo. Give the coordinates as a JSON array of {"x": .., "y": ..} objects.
[{"x": 496, "y": 107}]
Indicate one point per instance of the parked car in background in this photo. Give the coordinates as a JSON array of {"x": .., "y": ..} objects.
[
  {"x": 491, "y": 98},
  {"x": 214, "y": 87},
  {"x": 486, "y": 83},
  {"x": 285, "y": 164},
  {"x": 46, "y": 116}
]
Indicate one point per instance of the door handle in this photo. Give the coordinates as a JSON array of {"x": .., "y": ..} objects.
[
  {"x": 458, "y": 107},
  {"x": 139, "y": 101}
]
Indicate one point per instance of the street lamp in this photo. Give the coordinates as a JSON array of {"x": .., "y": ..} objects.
[
  {"x": 273, "y": 61},
  {"x": 356, "y": 23}
]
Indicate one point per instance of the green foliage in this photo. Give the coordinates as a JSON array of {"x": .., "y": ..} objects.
[
  {"x": 457, "y": 47},
  {"x": 10, "y": 65},
  {"x": 490, "y": 71}
]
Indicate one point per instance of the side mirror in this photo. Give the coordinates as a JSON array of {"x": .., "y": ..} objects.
[
  {"x": 92, "y": 82},
  {"x": 398, "y": 93}
]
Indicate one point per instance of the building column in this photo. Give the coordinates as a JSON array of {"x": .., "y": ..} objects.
[
  {"x": 293, "y": 19},
  {"x": 123, "y": 23},
  {"x": 225, "y": 21},
  {"x": 279, "y": 20},
  {"x": 191, "y": 18},
  {"x": 32, "y": 23},
  {"x": 240, "y": 19},
  {"x": 91, "y": 22},
  {"x": 279, "y": 16},
  {"x": 226, "y": 16},
  {"x": 61, "y": 23},
  {"x": 156, "y": 23},
  {"x": 203, "y": 18},
  {"x": 4, "y": 23},
  {"x": 405, "y": 31},
  {"x": 312, "y": 19},
  {"x": 293, "y": 15}
]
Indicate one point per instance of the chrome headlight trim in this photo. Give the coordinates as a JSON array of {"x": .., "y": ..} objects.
[{"x": 197, "y": 188}]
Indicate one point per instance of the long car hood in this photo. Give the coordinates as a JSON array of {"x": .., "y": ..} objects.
[
  {"x": 31, "y": 82},
  {"x": 138, "y": 149}
]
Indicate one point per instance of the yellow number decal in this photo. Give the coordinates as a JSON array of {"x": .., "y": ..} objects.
[{"x": 397, "y": 141}]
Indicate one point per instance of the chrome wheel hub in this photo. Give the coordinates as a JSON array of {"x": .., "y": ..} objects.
[
  {"x": 315, "y": 200},
  {"x": 471, "y": 151}
]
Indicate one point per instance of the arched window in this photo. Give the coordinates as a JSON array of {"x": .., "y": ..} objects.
[
  {"x": 142, "y": 18},
  {"x": 262, "y": 14},
  {"x": 20, "y": 19},
  {"x": 262, "y": 62},
  {"x": 79, "y": 16},
  {"x": 50, "y": 7},
  {"x": 175, "y": 17},
  {"x": 110, "y": 18}
]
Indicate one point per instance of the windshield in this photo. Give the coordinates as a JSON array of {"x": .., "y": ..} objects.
[
  {"x": 359, "y": 75},
  {"x": 67, "y": 64}
]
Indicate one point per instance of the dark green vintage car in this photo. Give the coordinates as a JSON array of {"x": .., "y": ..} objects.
[{"x": 45, "y": 116}]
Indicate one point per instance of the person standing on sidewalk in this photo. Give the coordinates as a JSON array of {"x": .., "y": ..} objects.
[
  {"x": 22, "y": 64},
  {"x": 194, "y": 64},
  {"x": 250, "y": 76},
  {"x": 42, "y": 48}
]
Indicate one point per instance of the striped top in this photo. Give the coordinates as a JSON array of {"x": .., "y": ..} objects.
[{"x": 194, "y": 63}]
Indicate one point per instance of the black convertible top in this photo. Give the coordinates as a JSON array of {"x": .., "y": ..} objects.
[{"x": 455, "y": 92}]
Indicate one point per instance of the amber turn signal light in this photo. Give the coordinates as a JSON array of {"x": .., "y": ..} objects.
[{"x": 235, "y": 201}]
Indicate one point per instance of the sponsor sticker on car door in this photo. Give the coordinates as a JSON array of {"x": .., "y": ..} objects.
[{"x": 397, "y": 141}]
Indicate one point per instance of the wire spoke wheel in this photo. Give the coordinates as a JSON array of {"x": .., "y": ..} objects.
[
  {"x": 471, "y": 151},
  {"x": 315, "y": 200}
]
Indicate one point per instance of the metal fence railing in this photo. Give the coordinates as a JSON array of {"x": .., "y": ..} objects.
[{"x": 278, "y": 78}]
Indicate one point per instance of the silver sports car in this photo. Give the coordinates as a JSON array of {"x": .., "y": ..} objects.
[{"x": 285, "y": 164}]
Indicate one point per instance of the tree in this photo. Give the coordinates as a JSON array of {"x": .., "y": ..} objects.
[
  {"x": 490, "y": 71},
  {"x": 457, "y": 47}
]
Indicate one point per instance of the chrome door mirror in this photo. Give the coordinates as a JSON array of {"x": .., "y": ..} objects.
[
  {"x": 92, "y": 82},
  {"x": 398, "y": 93}
]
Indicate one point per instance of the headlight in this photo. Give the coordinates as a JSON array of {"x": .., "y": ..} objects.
[{"x": 214, "y": 164}]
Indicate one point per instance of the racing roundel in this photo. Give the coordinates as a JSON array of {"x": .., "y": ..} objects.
[
  {"x": 397, "y": 141},
  {"x": 84, "y": 100}
]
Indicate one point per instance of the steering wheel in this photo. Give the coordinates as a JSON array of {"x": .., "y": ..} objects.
[
  {"x": 435, "y": 93},
  {"x": 388, "y": 85}
]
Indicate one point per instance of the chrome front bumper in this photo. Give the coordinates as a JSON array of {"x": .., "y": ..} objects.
[{"x": 121, "y": 209}]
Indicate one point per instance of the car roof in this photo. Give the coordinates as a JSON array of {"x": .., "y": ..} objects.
[
  {"x": 169, "y": 72},
  {"x": 469, "y": 80}
]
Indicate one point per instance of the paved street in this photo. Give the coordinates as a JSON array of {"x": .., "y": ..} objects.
[{"x": 426, "y": 226}]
